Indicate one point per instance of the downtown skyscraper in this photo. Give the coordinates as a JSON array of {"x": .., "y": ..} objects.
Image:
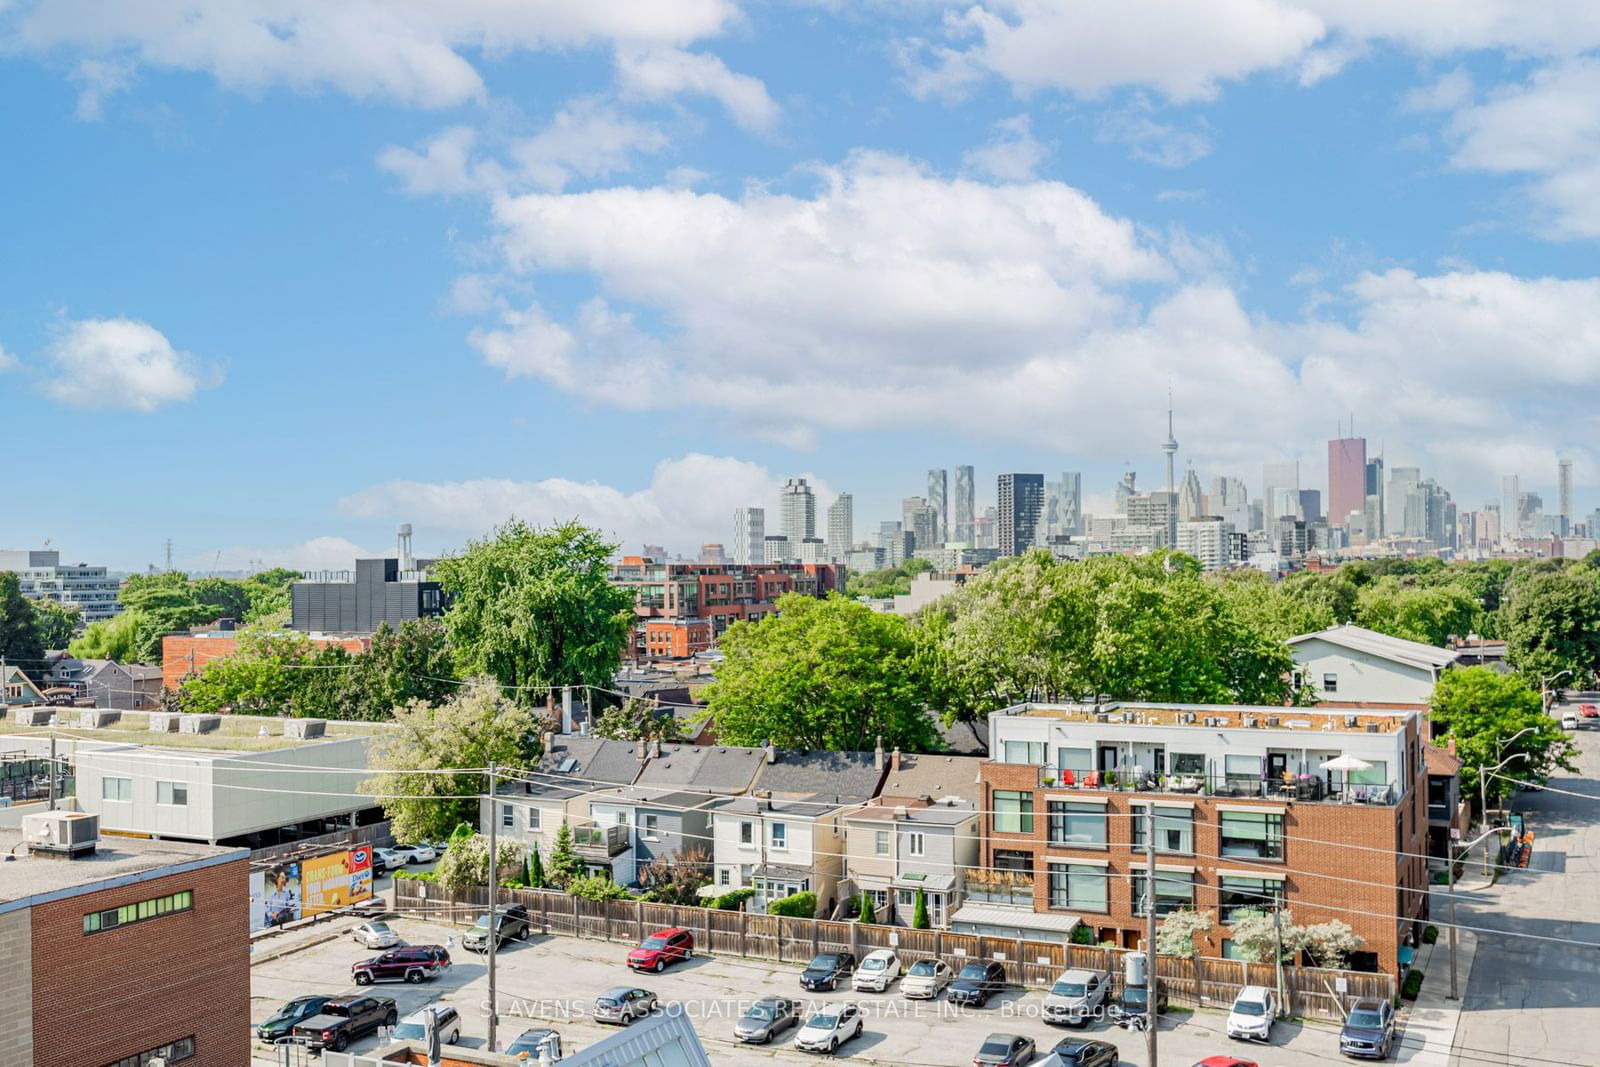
[
  {"x": 939, "y": 501},
  {"x": 1021, "y": 500},
  {"x": 1347, "y": 478},
  {"x": 964, "y": 511},
  {"x": 798, "y": 511},
  {"x": 841, "y": 526}
]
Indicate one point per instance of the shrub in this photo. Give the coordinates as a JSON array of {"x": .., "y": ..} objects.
[
  {"x": 596, "y": 887},
  {"x": 866, "y": 913},
  {"x": 732, "y": 900},
  {"x": 1411, "y": 986},
  {"x": 1082, "y": 935},
  {"x": 1430, "y": 934},
  {"x": 919, "y": 918},
  {"x": 416, "y": 876},
  {"x": 799, "y": 905}
]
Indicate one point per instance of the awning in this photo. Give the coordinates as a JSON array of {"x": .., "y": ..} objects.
[
  {"x": 1014, "y": 919},
  {"x": 932, "y": 883}
]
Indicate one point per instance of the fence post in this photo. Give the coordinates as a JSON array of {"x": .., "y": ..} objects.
[
  {"x": 855, "y": 940},
  {"x": 814, "y": 948},
  {"x": 744, "y": 931},
  {"x": 938, "y": 944}
]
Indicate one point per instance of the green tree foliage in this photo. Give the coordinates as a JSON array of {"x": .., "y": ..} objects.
[
  {"x": 677, "y": 877},
  {"x": 1430, "y": 614},
  {"x": 1254, "y": 939},
  {"x": 1175, "y": 935},
  {"x": 20, "y": 638},
  {"x": 1480, "y": 708},
  {"x": 636, "y": 719},
  {"x": 888, "y": 582},
  {"x": 536, "y": 876},
  {"x": 919, "y": 917},
  {"x": 1551, "y": 623},
  {"x": 466, "y": 862},
  {"x": 268, "y": 595},
  {"x": 155, "y": 606},
  {"x": 534, "y": 607},
  {"x": 596, "y": 887},
  {"x": 797, "y": 905},
  {"x": 115, "y": 638},
  {"x": 866, "y": 913},
  {"x": 733, "y": 899},
  {"x": 1302, "y": 603},
  {"x": 474, "y": 728},
  {"x": 57, "y": 624},
  {"x": 828, "y": 673},
  {"x": 565, "y": 863}
]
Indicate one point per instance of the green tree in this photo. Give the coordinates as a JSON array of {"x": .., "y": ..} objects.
[
  {"x": 919, "y": 917},
  {"x": 1300, "y": 604},
  {"x": 1430, "y": 614},
  {"x": 412, "y": 663},
  {"x": 596, "y": 887},
  {"x": 797, "y": 905},
  {"x": 115, "y": 638},
  {"x": 1551, "y": 623},
  {"x": 636, "y": 719},
  {"x": 268, "y": 594},
  {"x": 466, "y": 863},
  {"x": 866, "y": 913},
  {"x": 565, "y": 863},
  {"x": 534, "y": 607},
  {"x": 828, "y": 673},
  {"x": 677, "y": 877},
  {"x": 888, "y": 582},
  {"x": 425, "y": 776},
  {"x": 536, "y": 878},
  {"x": 57, "y": 624},
  {"x": 1255, "y": 938},
  {"x": 1480, "y": 708},
  {"x": 1175, "y": 936},
  {"x": 20, "y": 639}
]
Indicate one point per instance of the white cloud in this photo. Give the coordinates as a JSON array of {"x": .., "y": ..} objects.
[
  {"x": 120, "y": 363},
  {"x": 1448, "y": 92},
  {"x": 8, "y": 362},
  {"x": 99, "y": 79},
  {"x": 1161, "y": 143},
  {"x": 1011, "y": 155},
  {"x": 410, "y": 51},
  {"x": 316, "y": 554},
  {"x": 656, "y": 73},
  {"x": 689, "y": 500}
]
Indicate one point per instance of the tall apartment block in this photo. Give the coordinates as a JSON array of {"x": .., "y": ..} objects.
[
  {"x": 939, "y": 502},
  {"x": 42, "y": 576},
  {"x": 961, "y": 520},
  {"x": 841, "y": 527},
  {"x": 797, "y": 511},
  {"x": 1021, "y": 499},
  {"x": 749, "y": 535}
]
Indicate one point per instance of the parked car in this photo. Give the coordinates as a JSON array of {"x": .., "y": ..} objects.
[
  {"x": 829, "y": 1027},
  {"x": 385, "y": 860},
  {"x": 408, "y": 963},
  {"x": 1079, "y": 1052},
  {"x": 1589, "y": 711},
  {"x": 1368, "y": 1030},
  {"x": 1252, "y": 1014},
  {"x": 1135, "y": 1000},
  {"x": 766, "y": 1019},
  {"x": 414, "y": 1027},
  {"x": 279, "y": 1024},
  {"x": 1226, "y": 1061},
  {"x": 826, "y": 970},
  {"x": 976, "y": 983},
  {"x": 1004, "y": 1050},
  {"x": 1569, "y": 721},
  {"x": 375, "y": 934},
  {"x": 622, "y": 1004},
  {"x": 878, "y": 970},
  {"x": 528, "y": 1043},
  {"x": 511, "y": 923},
  {"x": 1076, "y": 996},
  {"x": 661, "y": 948},
  {"x": 343, "y": 1020},
  {"x": 421, "y": 852},
  {"x": 926, "y": 979}
]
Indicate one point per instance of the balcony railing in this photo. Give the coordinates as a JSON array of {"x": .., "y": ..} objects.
[
  {"x": 608, "y": 841},
  {"x": 1310, "y": 788},
  {"x": 1012, "y": 888}
]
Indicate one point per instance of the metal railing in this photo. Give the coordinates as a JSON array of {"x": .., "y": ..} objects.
[{"x": 1303, "y": 788}]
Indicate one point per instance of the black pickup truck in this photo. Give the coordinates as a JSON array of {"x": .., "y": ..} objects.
[{"x": 344, "y": 1020}]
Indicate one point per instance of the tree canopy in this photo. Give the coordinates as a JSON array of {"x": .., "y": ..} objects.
[
  {"x": 1482, "y": 710},
  {"x": 888, "y": 582},
  {"x": 1551, "y": 623},
  {"x": 57, "y": 623},
  {"x": 20, "y": 638},
  {"x": 156, "y": 605}
]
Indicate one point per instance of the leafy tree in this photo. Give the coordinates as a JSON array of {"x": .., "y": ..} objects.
[
  {"x": 412, "y": 663},
  {"x": 474, "y": 728},
  {"x": 536, "y": 877},
  {"x": 1480, "y": 708},
  {"x": 1551, "y": 623},
  {"x": 828, "y": 673},
  {"x": 677, "y": 877},
  {"x": 269, "y": 597},
  {"x": 888, "y": 582},
  {"x": 919, "y": 917},
  {"x": 1329, "y": 944},
  {"x": 797, "y": 905},
  {"x": 1175, "y": 936},
  {"x": 596, "y": 887},
  {"x": 733, "y": 899},
  {"x": 866, "y": 913},
  {"x": 115, "y": 638},
  {"x": 1300, "y": 604},
  {"x": 534, "y": 607},
  {"x": 20, "y": 639},
  {"x": 636, "y": 719},
  {"x": 57, "y": 624},
  {"x": 1431, "y": 615},
  {"x": 466, "y": 863},
  {"x": 565, "y": 863}
]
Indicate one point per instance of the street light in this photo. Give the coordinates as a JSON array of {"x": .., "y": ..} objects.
[
  {"x": 1544, "y": 687},
  {"x": 1483, "y": 788}
]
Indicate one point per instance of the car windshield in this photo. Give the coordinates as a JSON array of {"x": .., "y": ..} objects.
[
  {"x": 292, "y": 1010},
  {"x": 378, "y": 928},
  {"x": 408, "y": 1032},
  {"x": 1133, "y": 995},
  {"x": 825, "y": 1022},
  {"x": 654, "y": 943},
  {"x": 995, "y": 1046},
  {"x": 529, "y": 1042},
  {"x": 762, "y": 1013},
  {"x": 825, "y": 963},
  {"x": 1249, "y": 1007},
  {"x": 483, "y": 921},
  {"x": 973, "y": 970},
  {"x": 924, "y": 969},
  {"x": 874, "y": 963},
  {"x": 1366, "y": 1018},
  {"x": 1067, "y": 989}
]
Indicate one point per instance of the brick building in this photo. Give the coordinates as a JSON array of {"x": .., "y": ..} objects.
[
  {"x": 138, "y": 947},
  {"x": 683, "y": 608},
  {"x": 1245, "y": 816},
  {"x": 185, "y": 654}
]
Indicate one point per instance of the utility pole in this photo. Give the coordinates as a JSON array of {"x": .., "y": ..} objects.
[
  {"x": 1152, "y": 1019},
  {"x": 1277, "y": 954},
  {"x": 494, "y": 896},
  {"x": 1450, "y": 883},
  {"x": 52, "y": 772}
]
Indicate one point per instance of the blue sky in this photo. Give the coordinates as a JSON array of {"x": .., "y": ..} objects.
[{"x": 277, "y": 276}]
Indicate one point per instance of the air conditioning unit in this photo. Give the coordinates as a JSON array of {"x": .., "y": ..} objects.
[
  {"x": 199, "y": 724},
  {"x": 97, "y": 718},
  {"x": 1350, "y": 722},
  {"x": 35, "y": 716},
  {"x": 164, "y": 722},
  {"x": 305, "y": 729},
  {"x": 1272, "y": 720},
  {"x": 61, "y": 833},
  {"x": 1372, "y": 727}
]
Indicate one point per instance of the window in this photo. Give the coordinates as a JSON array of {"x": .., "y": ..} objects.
[
  {"x": 116, "y": 789},
  {"x": 534, "y": 820},
  {"x": 1076, "y": 824},
  {"x": 112, "y": 918},
  {"x": 1174, "y": 892},
  {"x": 880, "y": 843},
  {"x": 1256, "y": 835},
  {"x": 905, "y": 898},
  {"x": 780, "y": 836},
  {"x": 180, "y": 1050},
  {"x": 1244, "y": 773},
  {"x": 175, "y": 793},
  {"x": 1013, "y": 812},
  {"x": 1174, "y": 829},
  {"x": 1077, "y": 760},
  {"x": 1078, "y": 886},
  {"x": 1330, "y": 683},
  {"x": 1188, "y": 763},
  {"x": 747, "y": 834},
  {"x": 508, "y": 816},
  {"x": 1254, "y": 894},
  {"x": 648, "y": 828},
  {"x": 1024, "y": 752},
  {"x": 914, "y": 843},
  {"x": 724, "y": 876},
  {"x": 1377, "y": 774},
  {"x": 1010, "y": 859}
]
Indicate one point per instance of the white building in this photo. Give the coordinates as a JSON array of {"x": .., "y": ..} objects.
[
  {"x": 841, "y": 527},
  {"x": 798, "y": 511},
  {"x": 1351, "y": 664},
  {"x": 1209, "y": 540},
  {"x": 43, "y": 577},
  {"x": 777, "y": 847},
  {"x": 749, "y": 535}
]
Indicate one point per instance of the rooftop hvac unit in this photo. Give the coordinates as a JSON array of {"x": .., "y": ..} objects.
[
  {"x": 1272, "y": 720},
  {"x": 61, "y": 833},
  {"x": 305, "y": 729},
  {"x": 199, "y": 724},
  {"x": 97, "y": 718},
  {"x": 35, "y": 716},
  {"x": 1350, "y": 722},
  {"x": 1372, "y": 727},
  {"x": 164, "y": 722}
]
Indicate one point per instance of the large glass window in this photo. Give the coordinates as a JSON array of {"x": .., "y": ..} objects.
[
  {"x": 1013, "y": 812},
  {"x": 1024, "y": 752},
  {"x": 1077, "y": 760},
  {"x": 1174, "y": 892},
  {"x": 1248, "y": 894},
  {"x": 1377, "y": 774},
  {"x": 116, "y": 789},
  {"x": 1188, "y": 763},
  {"x": 177, "y": 1052},
  {"x": 175, "y": 793},
  {"x": 1244, "y": 773},
  {"x": 1079, "y": 886},
  {"x": 1257, "y": 835},
  {"x": 1076, "y": 824},
  {"x": 1174, "y": 829}
]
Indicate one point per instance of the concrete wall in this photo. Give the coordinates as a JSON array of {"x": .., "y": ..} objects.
[
  {"x": 16, "y": 987},
  {"x": 1361, "y": 675}
]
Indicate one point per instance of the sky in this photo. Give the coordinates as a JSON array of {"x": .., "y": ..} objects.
[{"x": 277, "y": 276}]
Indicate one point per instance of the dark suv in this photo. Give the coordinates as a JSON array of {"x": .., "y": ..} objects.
[
  {"x": 1368, "y": 1030},
  {"x": 976, "y": 983},
  {"x": 409, "y": 963},
  {"x": 827, "y": 970},
  {"x": 512, "y": 921},
  {"x": 344, "y": 1020}
]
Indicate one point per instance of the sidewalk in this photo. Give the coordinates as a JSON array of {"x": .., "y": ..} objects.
[{"x": 1430, "y": 1021}]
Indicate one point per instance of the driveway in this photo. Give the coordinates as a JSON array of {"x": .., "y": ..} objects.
[{"x": 1533, "y": 1001}]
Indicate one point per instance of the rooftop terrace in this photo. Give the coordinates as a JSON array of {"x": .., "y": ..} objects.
[{"x": 1225, "y": 716}]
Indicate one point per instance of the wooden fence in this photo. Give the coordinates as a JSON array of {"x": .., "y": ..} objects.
[{"x": 1204, "y": 982}]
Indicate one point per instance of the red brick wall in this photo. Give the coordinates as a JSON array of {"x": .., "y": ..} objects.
[
  {"x": 99, "y": 997},
  {"x": 182, "y": 656}
]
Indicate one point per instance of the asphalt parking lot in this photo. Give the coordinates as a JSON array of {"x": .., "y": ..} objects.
[{"x": 554, "y": 980}]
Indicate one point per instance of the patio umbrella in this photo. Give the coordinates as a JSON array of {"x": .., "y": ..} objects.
[{"x": 1347, "y": 762}]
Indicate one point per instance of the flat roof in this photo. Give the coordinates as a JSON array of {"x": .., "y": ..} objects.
[
  {"x": 235, "y": 734},
  {"x": 28, "y": 878},
  {"x": 1344, "y": 720}
]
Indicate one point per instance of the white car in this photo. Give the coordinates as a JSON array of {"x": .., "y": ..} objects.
[
  {"x": 829, "y": 1027},
  {"x": 387, "y": 859},
  {"x": 1569, "y": 721},
  {"x": 926, "y": 980},
  {"x": 1250, "y": 1018},
  {"x": 414, "y": 1027},
  {"x": 876, "y": 972},
  {"x": 421, "y": 853},
  {"x": 376, "y": 935}
]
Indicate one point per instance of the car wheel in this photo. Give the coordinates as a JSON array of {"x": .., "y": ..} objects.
[
  {"x": 414, "y": 976},
  {"x": 363, "y": 978},
  {"x": 833, "y": 1043},
  {"x": 340, "y": 1043},
  {"x": 522, "y": 934},
  {"x": 455, "y": 1035},
  {"x": 391, "y": 1018},
  {"x": 688, "y": 953},
  {"x": 660, "y": 966}
]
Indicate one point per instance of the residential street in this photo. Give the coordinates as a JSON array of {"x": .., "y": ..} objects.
[{"x": 1538, "y": 1002}]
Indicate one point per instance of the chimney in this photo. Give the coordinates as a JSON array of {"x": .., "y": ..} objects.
[
  {"x": 655, "y": 748},
  {"x": 770, "y": 750},
  {"x": 900, "y": 811},
  {"x": 549, "y": 742},
  {"x": 877, "y": 754},
  {"x": 644, "y": 751},
  {"x": 894, "y": 760},
  {"x": 566, "y": 709}
]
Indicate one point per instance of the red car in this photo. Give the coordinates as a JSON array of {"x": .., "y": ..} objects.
[
  {"x": 661, "y": 948},
  {"x": 1226, "y": 1061},
  {"x": 1589, "y": 711},
  {"x": 408, "y": 963}
]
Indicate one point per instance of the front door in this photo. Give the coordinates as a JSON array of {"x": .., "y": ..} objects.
[{"x": 1277, "y": 763}]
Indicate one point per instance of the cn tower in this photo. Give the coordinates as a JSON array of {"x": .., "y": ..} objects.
[{"x": 1171, "y": 449}]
